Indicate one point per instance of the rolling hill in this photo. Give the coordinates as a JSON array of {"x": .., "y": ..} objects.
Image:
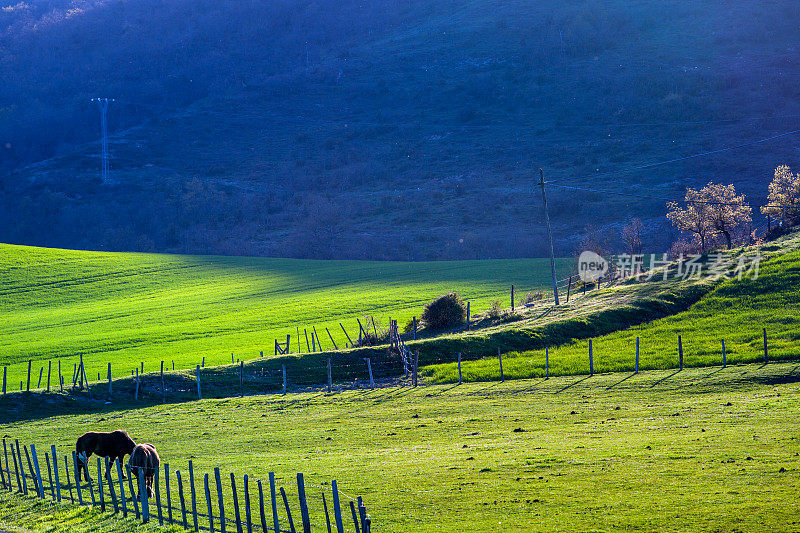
[
  {"x": 384, "y": 129},
  {"x": 126, "y": 308}
]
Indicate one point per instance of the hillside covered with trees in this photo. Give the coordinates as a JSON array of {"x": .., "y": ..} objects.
[{"x": 384, "y": 129}]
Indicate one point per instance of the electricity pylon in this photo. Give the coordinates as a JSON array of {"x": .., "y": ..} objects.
[{"x": 103, "y": 103}]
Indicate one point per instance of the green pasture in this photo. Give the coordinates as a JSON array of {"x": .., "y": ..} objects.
[
  {"x": 704, "y": 449},
  {"x": 126, "y": 308},
  {"x": 736, "y": 311}
]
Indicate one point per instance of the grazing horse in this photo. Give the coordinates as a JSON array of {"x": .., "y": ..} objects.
[
  {"x": 114, "y": 445},
  {"x": 145, "y": 462}
]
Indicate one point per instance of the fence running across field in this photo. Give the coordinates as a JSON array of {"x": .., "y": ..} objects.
[{"x": 271, "y": 514}]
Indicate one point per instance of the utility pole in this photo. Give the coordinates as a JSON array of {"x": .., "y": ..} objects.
[
  {"x": 550, "y": 237},
  {"x": 103, "y": 103}
]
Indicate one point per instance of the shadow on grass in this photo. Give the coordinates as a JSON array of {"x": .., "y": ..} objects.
[
  {"x": 573, "y": 384},
  {"x": 620, "y": 381},
  {"x": 665, "y": 378}
]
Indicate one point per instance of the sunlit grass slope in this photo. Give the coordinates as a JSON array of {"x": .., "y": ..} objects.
[
  {"x": 703, "y": 450},
  {"x": 126, "y": 308},
  {"x": 736, "y": 311}
]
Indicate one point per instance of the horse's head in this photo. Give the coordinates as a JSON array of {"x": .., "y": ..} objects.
[{"x": 126, "y": 443}]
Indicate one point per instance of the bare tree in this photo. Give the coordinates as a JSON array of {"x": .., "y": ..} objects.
[
  {"x": 713, "y": 210},
  {"x": 632, "y": 236}
]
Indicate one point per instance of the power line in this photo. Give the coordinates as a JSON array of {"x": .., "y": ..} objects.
[
  {"x": 647, "y": 197},
  {"x": 104, "y": 167}
]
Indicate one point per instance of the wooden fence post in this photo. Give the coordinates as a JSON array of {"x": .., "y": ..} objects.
[
  {"x": 60, "y": 378},
  {"x": 316, "y": 336},
  {"x": 209, "y": 506},
  {"x": 288, "y": 510},
  {"x": 167, "y": 493},
  {"x": 143, "y": 495},
  {"x": 337, "y": 510},
  {"x": 680, "y": 352},
  {"x": 569, "y": 288},
  {"x": 16, "y": 466},
  {"x": 158, "y": 497},
  {"x": 182, "y": 499},
  {"x": 5, "y": 377},
  {"x": 274, "y": 497},
  {"x": 49, "y": 370},
  {"x": 197, "y": 373},
  {"x": 69, "y": 480},
  {"x": 355, "y": 517},
  {"x": 591, "y": 358},
  {"x": 459, "y": 368},
  {"x": 100, "y": 485},
  {"x": 416, "y": 362},
  {"x": 468, "y": 316},
  {"x": 194, "y": 496},
  {"x": 241, "y": 379},
  {"x": 134, "y": 499},
  {"x": 346, "y": 335},
  {"x": 49, "y": 477},
  {"x": 37, "y": 472},
  {"x": 28, "y": 389},
  {"x": 55, "y": 472},
  {"x": 219, "y": 499},
  {"x": 247, "y": 515},
  {"x": 369, "y": 369},
  {"x": 110, "y": 390},
  {"x": 39, "y": 383},
  {"x": 637, "y": 355},
  {"x": 77, "y": 478},
  {"x": 331, "y": 338},
  {"x": 500, "y": 359},
  {"x": 327, "y": 514},
  {"x": 330, "y": 381},
  {"x": 308, "y": 344},
  {"x": 163, "y": 388},
  {"x": 261, "y": 507},
  {"x": 283, "y": 367},
  {"x": 288, "y": 339},
  {"x": 301, "y": 493},
  {"x": 724, "y": 358},
  {"x": 766, "y": 359},
  {"x": 547, "y": 362},
  {"x": 121, "y": 488},
  {"x": 236, "y": 504},
  {"x": 112, "y": 491}
]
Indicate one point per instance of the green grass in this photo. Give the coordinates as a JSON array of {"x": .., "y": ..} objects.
[
  {"x": 735, "y": 311},
  {"x": 125, "y": 308},
  {"x": 698, "y": 450},
  {"x": 20, "y": 514}
]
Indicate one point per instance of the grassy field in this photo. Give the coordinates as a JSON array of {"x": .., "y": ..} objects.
[
  {"x": 703, "y": 449},
  {"x": 735, "y": 311},
  {"x": 125, "y": 308}
]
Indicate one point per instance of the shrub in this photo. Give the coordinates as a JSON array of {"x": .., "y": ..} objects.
[
  {"x": 495, "y": 310},
  {"x": 446, "y": 311},
  {"x": 533, "y": 297}
]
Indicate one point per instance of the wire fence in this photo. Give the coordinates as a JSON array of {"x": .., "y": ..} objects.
[{"x": 199, "y": 502}]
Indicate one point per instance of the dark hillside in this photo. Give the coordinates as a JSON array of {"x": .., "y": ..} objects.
[{"x": 381, "y": 129}]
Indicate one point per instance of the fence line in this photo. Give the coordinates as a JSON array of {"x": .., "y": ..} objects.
[
  {"x": 122, "y": 498},
  {"x": 281, "y": 378}
]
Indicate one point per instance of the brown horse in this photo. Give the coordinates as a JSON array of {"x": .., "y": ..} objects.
[
  {"x": 145, "y": 462},
  {"x": 114, "y": 445}
]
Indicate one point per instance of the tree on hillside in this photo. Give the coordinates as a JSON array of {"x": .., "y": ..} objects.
[
  {"x": 784, "y": 196},
  {"x": 632, "y": 236},
  {"x": 713, "y": 210}
]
